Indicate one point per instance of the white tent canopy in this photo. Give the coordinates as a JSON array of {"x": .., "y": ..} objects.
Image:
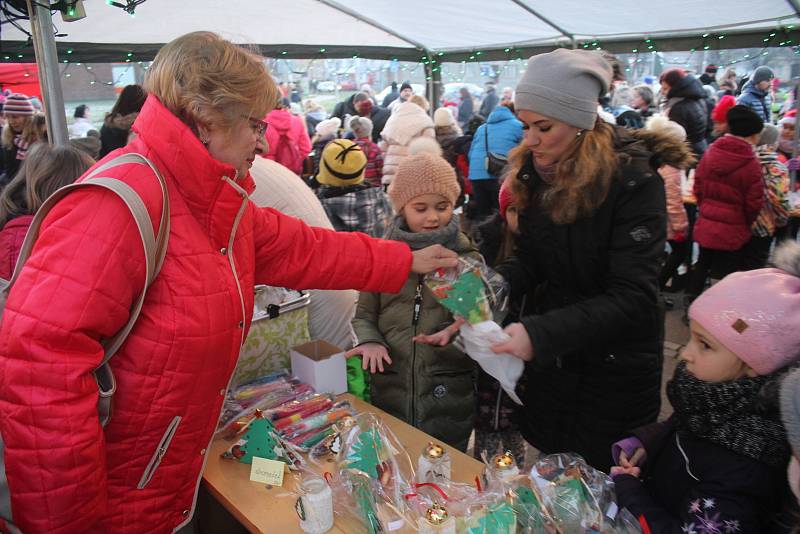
[{"x": 409, "y": 29}]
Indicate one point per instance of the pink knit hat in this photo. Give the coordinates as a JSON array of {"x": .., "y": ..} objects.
[{"x": 756, "y": 314}]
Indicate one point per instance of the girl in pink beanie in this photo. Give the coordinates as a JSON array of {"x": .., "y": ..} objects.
[{"x": 718, "y": 464}]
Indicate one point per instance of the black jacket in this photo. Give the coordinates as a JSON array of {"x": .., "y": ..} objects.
[
  {"x": 728, "y": 490},
  {"x": 689, "y": 109},
  {"x": 490, "y": 101},
  {"x": 378, "y": 116},
  {"x": 596, "y": 329},
  {"x": 344, "y": 108}
]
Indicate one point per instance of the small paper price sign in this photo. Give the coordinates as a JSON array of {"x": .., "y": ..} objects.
[{"x": 267, "y": 471}]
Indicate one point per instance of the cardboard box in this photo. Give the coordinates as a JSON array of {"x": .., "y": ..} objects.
[{"x": 321, "y": 365}]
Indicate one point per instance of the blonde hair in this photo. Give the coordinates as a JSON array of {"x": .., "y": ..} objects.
[
  {"x": 45, "y": 170},
  {"x": 36, "y": 130},
  {"x": 27, "y": 133},
  {"x": 660, "y": 123},
  {"x": 583, "y": 176},
  {"x": 421, "y": 101},
  {"x": 205, "y": 80}
]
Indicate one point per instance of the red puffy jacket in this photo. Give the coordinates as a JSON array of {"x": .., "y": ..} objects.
[
  {"x": 141, "y": 473},
  {"x": 730, "y": 194},
  {"x": 288, "y": 140},
  {"x": 11, "y": 237}
]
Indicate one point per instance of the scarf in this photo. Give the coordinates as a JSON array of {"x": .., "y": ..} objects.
[
  {"x": 22, "y": 146},
  {"x": 731, "y": 414},
  {"x": 446, "y": 236}
]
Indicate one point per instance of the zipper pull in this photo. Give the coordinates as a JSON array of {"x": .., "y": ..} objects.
[{"x": 417, "y": 304}]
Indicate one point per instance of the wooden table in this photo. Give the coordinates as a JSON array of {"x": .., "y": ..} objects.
[{"x": 261, "y": 509}]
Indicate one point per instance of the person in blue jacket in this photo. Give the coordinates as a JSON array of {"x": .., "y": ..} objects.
[
  {"x": 755, "y": 93},
  {"x": 503, "y": 132}
]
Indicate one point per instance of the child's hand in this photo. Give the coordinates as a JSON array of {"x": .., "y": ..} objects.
[
  {"x": 372, "y": 356},
  {"x": 442, "y": 337},
  {"x": 639, "y": 455},
  {"x": 619, "y": 470}
]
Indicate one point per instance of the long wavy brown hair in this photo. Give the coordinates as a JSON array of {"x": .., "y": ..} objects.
[{"x": 583, "y": 175}]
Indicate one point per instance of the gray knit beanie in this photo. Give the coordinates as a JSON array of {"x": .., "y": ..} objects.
[
  {"x": 769, "y": 135},
  {"x": 564, "y": 85},
  {"x": 790, "y": 408},
  {"x": 361, "y": 126},
  {"x": 762, "y": 74}
]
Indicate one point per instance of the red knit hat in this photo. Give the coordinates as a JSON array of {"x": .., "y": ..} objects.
[
  {"x": 721, "y": 109},
  {"x": 506, "y": 198}
]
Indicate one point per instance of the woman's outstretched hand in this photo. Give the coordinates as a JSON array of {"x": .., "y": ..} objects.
[
  {"x": 434, "y": 257},
  {"x": 519, "y": 345}
]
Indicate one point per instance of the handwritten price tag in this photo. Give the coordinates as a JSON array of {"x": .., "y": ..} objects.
[{"x": 267, "y": 471}]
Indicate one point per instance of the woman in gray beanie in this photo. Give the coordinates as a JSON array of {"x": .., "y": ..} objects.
[{"x": 592, "y": 229}]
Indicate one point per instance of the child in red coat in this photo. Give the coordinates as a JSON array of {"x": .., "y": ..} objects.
[{"x": 729, "y": 195}]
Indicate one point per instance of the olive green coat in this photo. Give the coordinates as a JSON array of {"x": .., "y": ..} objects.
[{"x": 431, "y": 388}]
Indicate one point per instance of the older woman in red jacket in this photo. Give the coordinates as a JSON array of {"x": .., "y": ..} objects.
[{"x": 201, "y": 127}]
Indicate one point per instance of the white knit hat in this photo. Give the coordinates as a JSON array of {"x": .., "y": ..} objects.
[
  {"x": 328, "y": 126},
  {"x": 443, "y": 117}
]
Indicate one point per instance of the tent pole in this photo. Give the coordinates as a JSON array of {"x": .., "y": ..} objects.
[
  {"x": 47, "y": 63},
  {"x": 793, "y": 174},
  {"x": 434, "y": 85},
  {"x": 547, "y": 21}
]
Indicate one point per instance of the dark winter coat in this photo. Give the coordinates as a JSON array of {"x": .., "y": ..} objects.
[
  {"x": 757, "y": 100},
  {"x": 729, "y": 192},
  {"x": 596, "y": 328},
  {"x": 730, "y": 489},
  {"x": 431, "y": 388},
  {"x": 10, "y": 165},
  {"x": 344, "y": 108},
  {"x": 490, "y": 101},
  {"x": 379, "y": 116},
  {"x": 687, "y": 106},
  {"x": 465, "y": 108},
  {"x": 114, "y": 132}
]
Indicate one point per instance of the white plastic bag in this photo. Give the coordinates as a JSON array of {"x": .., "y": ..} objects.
[{"x": 505, "y": 368}]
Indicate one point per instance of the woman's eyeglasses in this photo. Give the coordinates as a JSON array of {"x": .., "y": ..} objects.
[{"x": 258, "y": 126}]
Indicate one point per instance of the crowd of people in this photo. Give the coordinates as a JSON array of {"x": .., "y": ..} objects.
[{"x": 585, "y": 193}]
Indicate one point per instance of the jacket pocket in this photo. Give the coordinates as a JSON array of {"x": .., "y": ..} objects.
[{"x": 159, "y": 453}]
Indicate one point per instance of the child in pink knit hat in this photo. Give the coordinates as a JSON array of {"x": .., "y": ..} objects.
[{"x": 718, "y": 464}]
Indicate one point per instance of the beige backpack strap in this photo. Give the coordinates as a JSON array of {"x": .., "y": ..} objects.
[{"x": 155, "y": 248}]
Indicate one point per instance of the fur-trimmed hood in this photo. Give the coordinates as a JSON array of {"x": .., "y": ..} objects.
[
  {"x": 122, "y": 122},
  {"x": 665, "y": 149}
]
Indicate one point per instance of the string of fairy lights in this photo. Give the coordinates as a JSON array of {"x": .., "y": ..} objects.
[{"x": 455, "y": 71}]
